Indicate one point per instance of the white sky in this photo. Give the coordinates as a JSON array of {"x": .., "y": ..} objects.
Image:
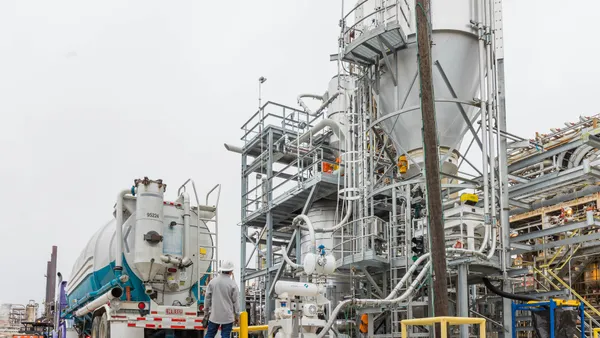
[{"x": 96, "y": 93}]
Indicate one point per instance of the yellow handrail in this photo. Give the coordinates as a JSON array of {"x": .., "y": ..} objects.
[
  {"x": 574, "y": 293},
  {"x": 568, "y": 259},
  {"x": 444, "y": 322},
  {"x": 596, "y": 331},
  {"x": 558, "y": 252},
  {"x": 557, "y": 288}
]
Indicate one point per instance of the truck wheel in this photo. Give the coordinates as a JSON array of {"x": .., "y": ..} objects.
[
  {"x": 104, "y": 327},
  {"x": 95, "y": 326}
]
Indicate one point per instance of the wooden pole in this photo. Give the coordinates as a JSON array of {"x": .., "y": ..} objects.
[{"x": 432, "y": 162}]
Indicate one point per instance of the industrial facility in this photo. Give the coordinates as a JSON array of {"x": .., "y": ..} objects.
[
  {"x": 350, "y": 176},
  {"x": 391, "y": 202}
]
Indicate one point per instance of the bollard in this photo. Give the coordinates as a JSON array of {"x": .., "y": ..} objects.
[{"x": 244, "y": 324}]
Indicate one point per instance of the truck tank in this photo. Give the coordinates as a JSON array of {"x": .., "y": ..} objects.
[{"x": 153, "y": 234}]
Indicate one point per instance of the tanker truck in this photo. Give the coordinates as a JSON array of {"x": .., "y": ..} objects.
[{"x": 145, "y": 272}]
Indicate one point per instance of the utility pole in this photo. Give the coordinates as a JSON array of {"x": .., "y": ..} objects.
[{"x": 432, "y": 162}]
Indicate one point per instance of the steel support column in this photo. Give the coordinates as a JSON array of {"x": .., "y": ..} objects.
[
  {"x": 244, "y": 231},
  {"x": 269, "y": 280},
  {"x": 504, "y": 204},
  {"x": 462, "y": 303}
]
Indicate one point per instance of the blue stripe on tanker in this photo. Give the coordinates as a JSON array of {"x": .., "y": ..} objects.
[{"x": 99, "y": 278}]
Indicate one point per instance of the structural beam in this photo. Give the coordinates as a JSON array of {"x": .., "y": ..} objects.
[
  {"x": 458, "y": 105},
  {"x": 553, "y": 180},
  {"x": 587, "y": 138},
  {"x": 372, "y": 281},
  {"x": 550, "y": 232},
  {"x": 568, "y": 241}
]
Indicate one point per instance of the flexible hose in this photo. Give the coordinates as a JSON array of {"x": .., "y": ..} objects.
[{"x": 503, "y": 294}]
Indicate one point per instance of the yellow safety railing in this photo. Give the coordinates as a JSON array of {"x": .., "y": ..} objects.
[
  {"x": 596, "y": 331},
  {"x": 578, "y": 296},
  {"x": 244, "y": 328},
  {"x": 559, "y": 251},
  {"x": 573, "y": 292},
  {"x": 444, "y": 322},
  {"x": 573, "y": 252}
]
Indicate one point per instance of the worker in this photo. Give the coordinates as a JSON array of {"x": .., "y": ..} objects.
[{"x": 221, "y": 303}]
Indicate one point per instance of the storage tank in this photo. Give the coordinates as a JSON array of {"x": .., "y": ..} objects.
[
  {"x": 31, "y": 311},
  {"x": 323, "y": 215},
  {"x": 455, "y": 48},
  {"x": 153, "y": 234}
]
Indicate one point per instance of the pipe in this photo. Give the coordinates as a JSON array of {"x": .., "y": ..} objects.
[
  {"x": 493, "y": 248},
  {"x": 490, "y": 125},
  {"x": 119, "y": 235},
  {"x": 186, "y": 225},
  {"x": 117, "y": 282},
  {"x": 337, "y": 130},
  {"x": 317, "y": 97},
  {"x": 310, "y": 228},
  {"x": 288, "y": 260},
  {"x": 335, "y": 227},
  {"x": 100, "y": 301},
  {"x": 327, "y": 103},
  {"x": 375, "y": 302},
  {"x": 389, "y": 300},
  {"x": 484, "y": 134},
  {"x": 232, "y": 148},
  {"x": 503, "y": 294},
  {"x": 304, "y": 106},
  {"x": 408, "y": 273}
]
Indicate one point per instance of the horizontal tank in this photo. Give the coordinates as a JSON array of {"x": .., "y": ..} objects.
[{"x": 94, "y": 267}]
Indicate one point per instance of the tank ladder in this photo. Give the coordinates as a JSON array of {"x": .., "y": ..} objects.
[{"x": 201, "y": 251}]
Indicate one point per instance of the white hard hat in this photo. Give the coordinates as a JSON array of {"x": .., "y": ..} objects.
[{"x": 226, "y": 266}]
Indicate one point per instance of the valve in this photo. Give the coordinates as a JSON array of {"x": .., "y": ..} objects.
[{"x": 321, "y": 250}]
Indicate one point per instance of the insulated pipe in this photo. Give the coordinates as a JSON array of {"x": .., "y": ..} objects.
[
  {"x": 119, "y": 234},
  {"x": 232, "y": 148},
  {"x": 493, "y": 248},
  {"x": 335, "y": 227},
  {"x": 288, "y": 260},
  {"x": 408, "y": 273},
  {"x": 503, "y": 294},
  {"x": 374, "y": 302},
  {"x": 186, "y": 224},
  {"x": 484, "y": 134},
  {"x": 311, "y": 230},
  {"x": 323, "y": 106},
  {"x": 105, "y": 298},
  {"x": 328, "y": 102},
  {"x": 389, "y": 300},
  {"x": 490, "y": 122},
  {"x": 337, "y": 130},
  {"x": 304, "y": 106}
]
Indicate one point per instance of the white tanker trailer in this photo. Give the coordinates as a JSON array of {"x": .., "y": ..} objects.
[{"x": 144, "y": 273}]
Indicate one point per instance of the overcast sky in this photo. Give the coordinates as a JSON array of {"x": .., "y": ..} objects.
[{"x": 94, "y": 94}]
